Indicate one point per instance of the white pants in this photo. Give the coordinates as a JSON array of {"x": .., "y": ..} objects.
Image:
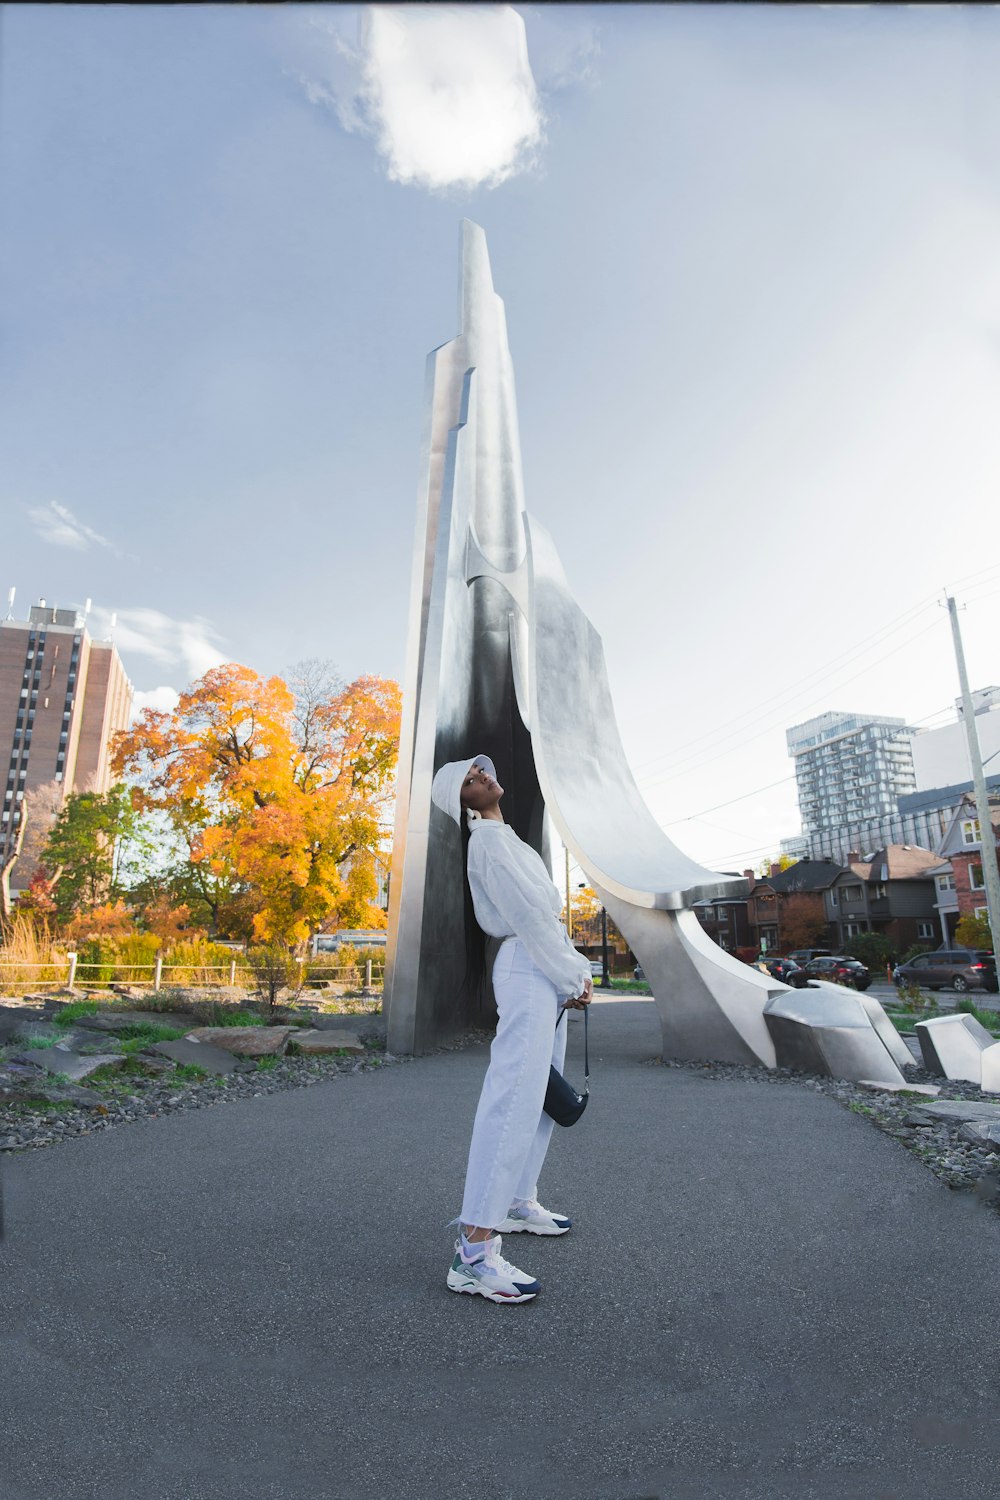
[{"x": 511, "y": 1132}]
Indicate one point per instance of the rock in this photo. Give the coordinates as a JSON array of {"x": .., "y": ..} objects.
[
  {"x": 212, "y": 1059},
  {"x": 246, "y": 1041},
  {"x": 899, "y": 1088},
  {"x": 317, "y": 1043},
  {"x": 110, "y": 1021},
  {"x": 981, "y": 1133},
  {"x": 72, "y": 1094},
  {"x": 153, "y": 1063},
  {"x": 961, "y": 1109},
  {"x": 12, "y": 1072},
  {"x": 54, "y": 1060}
]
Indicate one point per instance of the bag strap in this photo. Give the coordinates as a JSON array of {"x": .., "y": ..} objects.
[{"x": 586, "y": 1045}]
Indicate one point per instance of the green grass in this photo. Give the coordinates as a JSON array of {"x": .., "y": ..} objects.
[
  {"x": 190, "y": 1072},
  {"x": 35, "y": 1043},
  {"x": 69, "y": 1013},
  {"x": 265, "y": 1064}
]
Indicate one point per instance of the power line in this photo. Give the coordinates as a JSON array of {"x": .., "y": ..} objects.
[
  {"x": 787, "y": 695},
  {"x": 741, "y": 739},
  {"x": 755, "y": 793}
]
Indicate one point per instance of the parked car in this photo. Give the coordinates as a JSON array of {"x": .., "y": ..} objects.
[
  {"x": 597, "y": 969},
  {"x": 839, "y": 969},
  {"x": 803, "y": 955},
  {"x": 959, "y": 969},
  {"x": 637, "y": 973},
  {"x": 785, "y": 969}
]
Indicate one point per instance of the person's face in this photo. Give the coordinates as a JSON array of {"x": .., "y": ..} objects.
[{"x": 479, "y": 791}]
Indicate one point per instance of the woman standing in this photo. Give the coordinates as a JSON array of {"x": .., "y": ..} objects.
[{"x": 536, "y": 971}]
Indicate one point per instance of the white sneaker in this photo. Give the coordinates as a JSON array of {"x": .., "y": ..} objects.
[
  {"x": 491, "y": 1276},
  {"x": 532, "y": 1218}
]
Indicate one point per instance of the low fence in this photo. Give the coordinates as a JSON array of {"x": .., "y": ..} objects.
[{"x": 73, "y": 975}]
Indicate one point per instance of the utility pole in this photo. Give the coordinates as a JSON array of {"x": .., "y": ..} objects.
[{"x": 987, "y": 838}]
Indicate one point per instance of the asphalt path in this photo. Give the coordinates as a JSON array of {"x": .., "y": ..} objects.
[{"x": 762, "y": 1296}]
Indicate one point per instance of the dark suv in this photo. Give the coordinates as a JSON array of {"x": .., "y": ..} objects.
[
  {"x": 839, "y": 969},
  {"x": 959, "y": 969}
]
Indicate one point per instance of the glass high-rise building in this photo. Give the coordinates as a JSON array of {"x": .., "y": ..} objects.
[{"x": 849, "y": 770}]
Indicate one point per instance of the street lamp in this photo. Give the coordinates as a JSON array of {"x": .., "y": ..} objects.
[{"x": 605, "y": 980}]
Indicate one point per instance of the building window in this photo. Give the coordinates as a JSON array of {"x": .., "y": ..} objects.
[
  {"x": 851, "y": 929},
  {"x": 982, "y": 911},
  {"x": 976, "y": 881},
  {"x": 925, "y": 929},
  {"x": 852, "y": 892},
  {"x": 878, "y": 892},
  {"x": 970, "y": 831},
  {"x": 946, "y": 882}
]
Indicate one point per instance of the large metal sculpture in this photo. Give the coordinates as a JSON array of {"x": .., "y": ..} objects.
[{"x": 502, "y": 660}]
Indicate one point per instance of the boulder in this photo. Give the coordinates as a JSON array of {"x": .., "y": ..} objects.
[
  {"x": 318, "y": 1043},
  {"x": 55, "y": 1060},
  {"x": 982, "y": 1133},
  {"x": 930, "y": 1089},
  {"x": 111, "y": 1021},
  {"x": 962, "y": 1109},
  {"x": 245, "y": 1041},
  {"x": 212, "y": 1059}
]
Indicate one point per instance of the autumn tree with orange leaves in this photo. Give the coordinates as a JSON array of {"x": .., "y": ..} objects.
[{"x": 278, "y": 794}]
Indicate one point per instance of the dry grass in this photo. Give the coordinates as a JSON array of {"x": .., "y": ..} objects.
[{"x": 30, "y": 958}]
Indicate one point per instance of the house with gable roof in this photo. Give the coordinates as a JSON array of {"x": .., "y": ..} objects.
[
  {"x": 891, "y": 893},
  {"x": 960, "y": 887}
]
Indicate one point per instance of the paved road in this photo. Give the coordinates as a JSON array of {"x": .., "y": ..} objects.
[{"x": 762, "y": 1297}]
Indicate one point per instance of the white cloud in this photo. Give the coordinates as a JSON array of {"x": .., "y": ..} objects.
[
  {"x": 57, "y": 524},
  {"x": 163, "y": 699},
  {"x": 184, "y": 645},
  {"x": 446, "y": 91}
]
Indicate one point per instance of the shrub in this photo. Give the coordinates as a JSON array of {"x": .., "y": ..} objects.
[
  {"x": 274, "y": 968},
  {"x": 135, "y": 957},
  {"x": 95, "y": 961},
  {"x": 871, "y": 948}
]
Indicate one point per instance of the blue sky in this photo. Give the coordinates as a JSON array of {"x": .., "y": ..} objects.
[{"x": 751, "y": 263}]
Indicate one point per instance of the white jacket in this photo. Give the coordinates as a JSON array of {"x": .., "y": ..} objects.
[{"x": 513, "y": 896}]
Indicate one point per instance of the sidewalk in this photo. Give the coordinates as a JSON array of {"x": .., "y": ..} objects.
[{"x": 762, "y": 1297}]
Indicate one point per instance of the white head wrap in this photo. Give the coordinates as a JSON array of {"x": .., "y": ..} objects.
[{"x": 446, "y": 788}]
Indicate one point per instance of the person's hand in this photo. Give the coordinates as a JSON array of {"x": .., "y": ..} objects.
[{"x": 580, "y": 1002}]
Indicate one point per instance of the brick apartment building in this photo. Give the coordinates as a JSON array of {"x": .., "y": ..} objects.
[{"x": 62, "y": 698}]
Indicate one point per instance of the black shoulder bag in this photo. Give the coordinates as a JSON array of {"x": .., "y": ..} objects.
[{"x": 562, "y": 1102}]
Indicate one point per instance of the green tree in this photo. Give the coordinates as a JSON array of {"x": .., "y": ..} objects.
[{"x": 97, "y": 841}]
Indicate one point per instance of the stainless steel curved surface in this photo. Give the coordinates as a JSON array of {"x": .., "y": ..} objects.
[
  {"x": 503, "y": 660},
  {"x": 825, "y": 1029},
  {"x": 458, "y": 689}
]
